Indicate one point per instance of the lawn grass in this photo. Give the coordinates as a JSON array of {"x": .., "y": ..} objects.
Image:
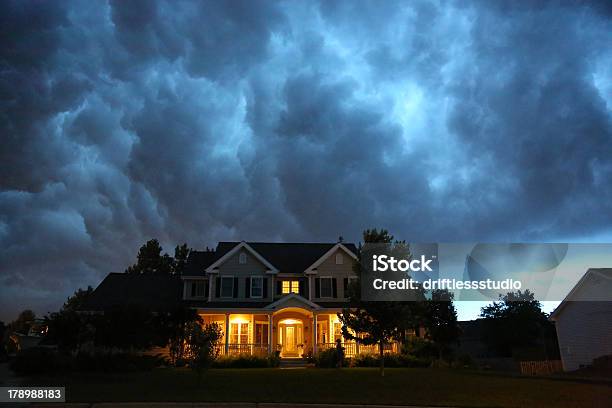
[{"x": 359, "y": 385}]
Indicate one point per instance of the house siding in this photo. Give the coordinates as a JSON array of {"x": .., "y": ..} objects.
[
  {"x": 337, "y": 272},
  {"x": 233, "y": 267},
  {"x": 584, "y": 330}
]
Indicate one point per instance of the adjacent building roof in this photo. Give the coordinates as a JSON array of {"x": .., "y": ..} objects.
[
  {"x": 600, "y": 282},
  {"x": 198, "y": 261},
  {"x": 151, "y": 291}
]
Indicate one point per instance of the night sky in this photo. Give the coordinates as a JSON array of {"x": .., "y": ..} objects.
[{"x": 294, "y": 121}]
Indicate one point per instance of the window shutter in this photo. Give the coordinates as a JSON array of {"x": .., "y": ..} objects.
[
  {"x": 206, "y": 288},
  {"x": 279, "y": 287},
  {"x": 193, "y": 288},
  {"x": 302, "y": 288},
  {"x": 235, "y": 287},
  {"x": 335, "y": 287},
  {"x": 317, "y": 287},
  {"x": 217, "y": 287},
  {"x": 345, "y": 282},
  {"x": 265, "y": 287},
  {"x": 247, "y": 287}
]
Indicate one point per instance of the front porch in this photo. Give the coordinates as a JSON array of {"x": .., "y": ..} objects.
[{"x": 294, "y": 327}]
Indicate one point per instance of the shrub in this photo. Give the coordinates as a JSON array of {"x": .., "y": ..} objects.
[
  {"x": 274, "y": 359},
  {"x": 328, "y": 359},
  {"x": 464, "y": 361},
  {"x": 119, "y": 362},
  {"x": 247, "y": 361},
  {"x": 391, "y": 360},
  {"x": 419, "y": 347},
  {"x": 40, "y": 360}
]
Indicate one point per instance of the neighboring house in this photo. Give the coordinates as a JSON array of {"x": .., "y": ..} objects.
[
  {"x": 584, "y": 320},
  {"x": 155, "y": 292},
  {"x": 265, "y": 296},
  {"x": 470, "y": 340}
]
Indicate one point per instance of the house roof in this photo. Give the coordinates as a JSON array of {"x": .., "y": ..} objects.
[
  {"x": 198, "y": 261},
  {"x": 242, "y": 245},
  {"x": 593, "y": 274},
  {"x": 292, "y": 299},
  {"x": 292, "y": 257},
  {"x": 152, "y": 291}
]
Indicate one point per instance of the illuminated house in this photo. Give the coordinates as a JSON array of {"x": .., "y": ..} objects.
[
  {"x": 273, "y": 296},
  {"x": 267, "y": 297}
]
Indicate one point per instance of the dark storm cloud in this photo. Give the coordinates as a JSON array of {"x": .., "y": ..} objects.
[{"x": 207, "y": 121}]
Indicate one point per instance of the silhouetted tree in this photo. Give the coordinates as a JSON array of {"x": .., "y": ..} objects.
[
  {"x": 515, "y": 321},
  {"x": 77, "y": 301},
  {"x": 23, "y": 322},
  {"x": 441, "y": 321},
  {"x": 181, "y": 252},
  {"x": 151, "y": 260},
  {"x": 378, "y": 322},
  {"x": 175, "y": 327},
  {"x": 203, "y": 342}
]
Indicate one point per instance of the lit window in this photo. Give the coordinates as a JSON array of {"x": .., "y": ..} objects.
[
  {"x": 337, "y": 331},
  {"x": 339, "y": 259},
  {"x": 239, "y": 333},
  {"x": 326, "y": 287},
  {"x": 242, "y": 258},
  {"x": 292, "y": 286},
  {"x": 227, "y": 287},
  {"x": 256, "y": 286}
]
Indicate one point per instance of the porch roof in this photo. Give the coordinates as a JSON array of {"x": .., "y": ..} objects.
[{"x": 293, "y": 300}]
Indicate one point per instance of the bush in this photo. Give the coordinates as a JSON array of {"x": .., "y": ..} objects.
[
  {"x": 464, "y": 361},
  {"x": 40, "y": 360},
  {"x": 247, "y": 361},
  {"x": 274, "y": 359},
  {"x": 328, "y": 359},
  {"x": 391, "y": 360},
  {"x": 419, "y": 347},
  {"x": 121, "y": 362}
]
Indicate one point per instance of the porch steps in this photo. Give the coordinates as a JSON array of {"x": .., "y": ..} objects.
[{"x": 295, "y": 363}]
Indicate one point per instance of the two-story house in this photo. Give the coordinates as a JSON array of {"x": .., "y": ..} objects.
[
  {"x": 272, "y": 296},
  {"x": 266, "y": 297}
]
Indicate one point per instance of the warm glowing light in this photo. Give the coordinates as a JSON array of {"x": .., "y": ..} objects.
[
  {"x": 238, "y": 319},
  {"x": 290, "y": 321}
]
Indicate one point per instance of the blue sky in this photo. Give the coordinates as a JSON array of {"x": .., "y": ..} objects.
[{"x": 293, "y": 121}]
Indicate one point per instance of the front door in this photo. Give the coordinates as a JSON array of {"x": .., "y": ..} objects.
[{"x": 290, "y": 339}]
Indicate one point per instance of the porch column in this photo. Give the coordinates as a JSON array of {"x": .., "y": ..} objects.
[
  {"x": 269, "y": 333},
  {"x": 227, "y": 333},
  {"x": 310, "y": 288},
  {"x": 314, "y": 333},
  {"x": 252, "y": 332}
]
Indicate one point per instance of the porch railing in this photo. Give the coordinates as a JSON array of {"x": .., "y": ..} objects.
[
  {"x": 244, "y": 348},
  {"x": 351, "y": 348}
]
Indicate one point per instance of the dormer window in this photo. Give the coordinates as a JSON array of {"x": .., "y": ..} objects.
[
  {"x": 339, "y": 259},
  {"x": 290, "y": 286},
  {"x": 242, "y": 258}
]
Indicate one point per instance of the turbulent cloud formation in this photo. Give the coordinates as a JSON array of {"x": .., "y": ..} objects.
[{"x": 258, "y": 120}]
